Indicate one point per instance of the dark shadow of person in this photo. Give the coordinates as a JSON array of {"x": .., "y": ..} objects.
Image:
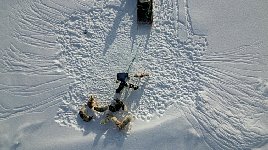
[
  {"x": 114, "y": 137},
  {"x": 129, "y": 7},
  {"x": 133, "y": 97},
  {"x": 110, "y": 133}
]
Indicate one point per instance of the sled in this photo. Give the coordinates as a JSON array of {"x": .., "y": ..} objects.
[
  {"x": 120, "y": 124},
  {"x": 141, "y": 75},
  {"x": 125, "y": 122},
  {"x": 83, "y": 114},
  {"x": 145, "y": 11}
]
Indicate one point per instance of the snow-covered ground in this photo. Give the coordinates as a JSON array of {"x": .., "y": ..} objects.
[{"x": 208, "y": 84}]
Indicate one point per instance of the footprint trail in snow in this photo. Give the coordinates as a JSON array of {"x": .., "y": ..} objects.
[{"x": 219, "y": 93}]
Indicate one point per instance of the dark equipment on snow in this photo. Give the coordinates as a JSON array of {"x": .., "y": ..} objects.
[
  {"x": 121, "y": 87},
  {"x": 83, "y": 114},
  {"x": 123, "y": 78},
  {"x": 101, "y": 109},
  {"x": 145, "y": 11},
  {"x": 85, "y": 117},
  {"x": 117, "y": 106}
]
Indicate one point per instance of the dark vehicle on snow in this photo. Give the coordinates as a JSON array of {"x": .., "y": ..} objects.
[{"x": 145, "y": 11}]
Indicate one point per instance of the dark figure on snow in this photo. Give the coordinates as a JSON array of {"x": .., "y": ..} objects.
[
  {"x": 123, "y": 78},
  {"x": 115, "y": 106}
]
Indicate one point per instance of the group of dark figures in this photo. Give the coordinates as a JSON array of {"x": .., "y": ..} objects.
[{"x": 116, "y": 104}]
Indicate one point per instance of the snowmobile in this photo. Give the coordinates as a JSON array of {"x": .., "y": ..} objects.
[{"x": 145, "y": 11}]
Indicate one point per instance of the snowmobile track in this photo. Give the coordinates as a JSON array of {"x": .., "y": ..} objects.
[{"x": 220, "y": 102}]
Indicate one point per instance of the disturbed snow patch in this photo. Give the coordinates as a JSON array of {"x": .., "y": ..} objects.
[
  {"x": 222, "y": 103},
  {"x": 98, "y": 43},
  {"x": 263, "y": 87}
]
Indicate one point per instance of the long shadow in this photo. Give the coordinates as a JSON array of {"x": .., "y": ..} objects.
[
  {"x": 128, "y": 7},
  {"x": 133, "y": 98},
  {"x": 114, "y": 136},
  {"x": 110, "y": 133}
]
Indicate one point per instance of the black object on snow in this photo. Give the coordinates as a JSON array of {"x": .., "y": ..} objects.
[
  {"x": 121, "y": 87},
  {"x": 117, "y": 106},
  {"x": 145, "y": 11},
  {"x": 123, "y": 77}
]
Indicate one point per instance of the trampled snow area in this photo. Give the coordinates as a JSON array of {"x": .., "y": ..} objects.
[{"x": 207, "y": 60}]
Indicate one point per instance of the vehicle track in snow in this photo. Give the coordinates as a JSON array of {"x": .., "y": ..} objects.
[
  {"x": 32, "y": 79},
  {"x": 231, "y": 104},
  {"x": 220, "y": 93}
]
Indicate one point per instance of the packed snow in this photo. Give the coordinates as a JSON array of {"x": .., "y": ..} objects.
[{"x": 207, "y": 63}]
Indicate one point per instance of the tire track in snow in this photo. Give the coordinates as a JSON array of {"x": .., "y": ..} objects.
[
  {"x": 229, "y": 100},
  {"x": 166, "y": 51},
  {"x": 233, "y": 96},
  {"x": 32, "y": 79},
  {"x": 225, "y": 99},
  {"x": 248, "y": 100},
  {"x": 36, "y": 26},
  {"x": 16, "y": 61},
  {"x": 218, "y": 102}
]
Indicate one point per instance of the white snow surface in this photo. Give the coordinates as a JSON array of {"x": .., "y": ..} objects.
[{"x": 207, "y": 60}]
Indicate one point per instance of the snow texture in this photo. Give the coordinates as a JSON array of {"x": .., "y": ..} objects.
[{"x": 196, "y": 97}]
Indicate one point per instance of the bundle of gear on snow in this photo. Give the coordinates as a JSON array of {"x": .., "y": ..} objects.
[
  {"x": 117, "y": 106},
  {"x": 83, "y": 114}
]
